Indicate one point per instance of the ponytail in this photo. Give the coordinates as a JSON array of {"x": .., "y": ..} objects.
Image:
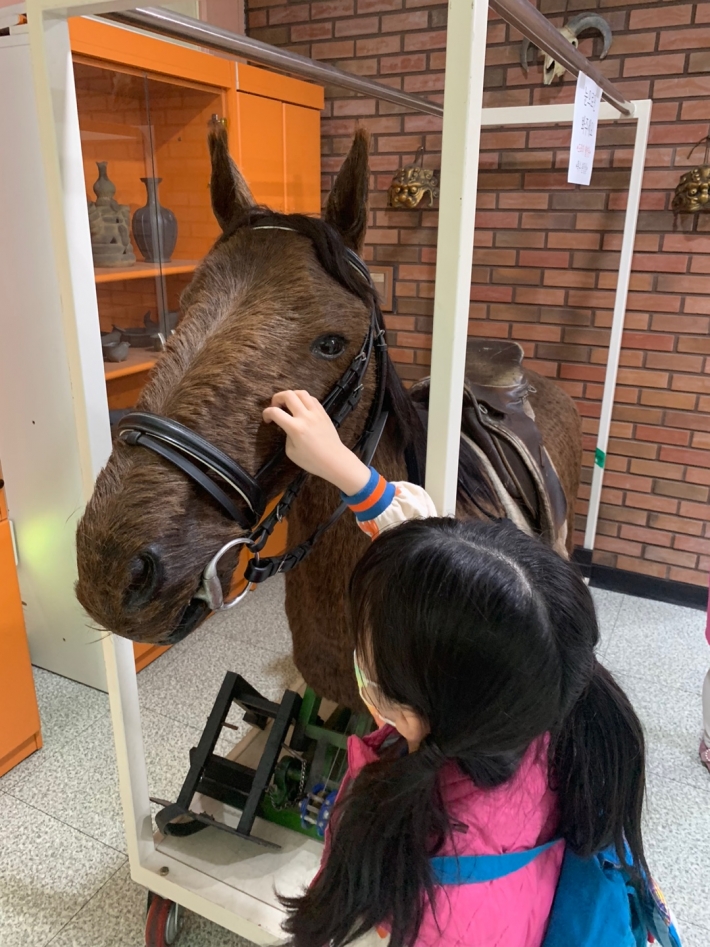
[
  {"x": 390, "y": 822},
  {"x": 597, "y": 766}
]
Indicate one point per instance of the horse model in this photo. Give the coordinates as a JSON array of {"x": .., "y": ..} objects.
[{"x": 283, "y": 301}]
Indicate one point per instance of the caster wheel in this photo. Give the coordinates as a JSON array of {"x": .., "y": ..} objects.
[{"x": 162, "y": 923}]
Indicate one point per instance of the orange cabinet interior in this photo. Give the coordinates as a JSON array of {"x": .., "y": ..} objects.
[
  {"x": 20, "y": 732},
  {"x": 144, "y": 106}
]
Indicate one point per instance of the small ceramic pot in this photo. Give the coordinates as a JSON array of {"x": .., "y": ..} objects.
[
  {"x": 137, "y": 336},
  {"x": 116, "y": 352}
]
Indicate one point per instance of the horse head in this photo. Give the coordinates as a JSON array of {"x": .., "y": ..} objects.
[{"x": 273, "y": 305}]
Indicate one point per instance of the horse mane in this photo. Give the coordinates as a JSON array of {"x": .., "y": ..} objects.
[{"x": 408, "y": 430}]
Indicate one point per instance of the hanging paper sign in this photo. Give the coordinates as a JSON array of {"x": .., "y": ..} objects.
[{"x": 584, "y": 130}]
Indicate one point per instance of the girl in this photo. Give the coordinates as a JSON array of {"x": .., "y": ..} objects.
[{"x": 500, "y": 731}]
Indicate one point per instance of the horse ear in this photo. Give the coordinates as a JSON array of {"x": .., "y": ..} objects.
[
  {"x": 231, "y": 197},
  {"x": 346, "y": 209}
]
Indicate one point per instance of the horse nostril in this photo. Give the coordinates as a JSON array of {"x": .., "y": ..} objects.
[{"x": 145, "y": 576}]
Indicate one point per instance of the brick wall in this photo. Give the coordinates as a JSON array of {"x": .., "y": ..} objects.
[{"x": 546, "y": 253}]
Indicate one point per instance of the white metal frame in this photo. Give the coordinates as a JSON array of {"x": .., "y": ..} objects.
[
  {"x": 453, "y": 278},
  {"x": 178, "y": 877}
]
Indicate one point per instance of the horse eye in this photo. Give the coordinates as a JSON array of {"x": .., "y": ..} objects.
[{"x": 328, "y": 346}]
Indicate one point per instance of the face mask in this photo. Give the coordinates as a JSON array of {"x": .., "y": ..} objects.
[{"x": 362, "y": 684}]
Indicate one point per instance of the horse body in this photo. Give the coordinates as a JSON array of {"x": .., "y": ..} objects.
[{"x": 255, "y": 315}]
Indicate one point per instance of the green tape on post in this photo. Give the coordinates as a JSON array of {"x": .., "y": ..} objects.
[{"x": 599, "y": 458}]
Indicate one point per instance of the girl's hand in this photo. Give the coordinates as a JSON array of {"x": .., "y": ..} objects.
[{"x": 313, "y": 443}]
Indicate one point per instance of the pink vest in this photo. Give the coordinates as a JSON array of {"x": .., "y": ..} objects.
[{"x": 509, "y": 912}]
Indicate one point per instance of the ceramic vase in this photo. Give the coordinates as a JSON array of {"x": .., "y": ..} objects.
[
  {"x": 155, "y": 228},
  {"x": 104, "y": 189}
]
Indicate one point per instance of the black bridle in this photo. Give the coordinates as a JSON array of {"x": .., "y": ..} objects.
[{"x": 238, "y": 493}]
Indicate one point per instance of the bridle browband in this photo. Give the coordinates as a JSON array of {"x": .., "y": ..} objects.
[{"x": 239, "y": 494}]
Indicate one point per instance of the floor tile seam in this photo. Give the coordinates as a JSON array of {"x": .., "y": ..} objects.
[
  {"x": 678, "y": 747},
  {"x": 678, "y": 780},
  {"x": 143, "y": 696},
  {"x": 651, "y": 624},
  {"x": 660, "y": 747},
  {"x": 78, "y": 733},
  {"x": 176, "y": 710},
  {"x": 642, "y": 679},
  {"x": 164, "y": 660},
  {"x": 80, "y": 909},
  {"x": 67, "y": 825},
  {"x": 156, "y": 713},
  {"x": 616, "y": 615},
  {"x": 685, "y": 924},
  {"x": 602, "y": 648},
  {"x": 42, "y": 759},
  {"x": 176, "y": 719},
  {"x": 629, "y": 596},
  {"x": 681, "y": 780},
  {"x": 150, "y": 710},
  {"x": 198, "y": 734},
  {"x": 105, "y": 713}
]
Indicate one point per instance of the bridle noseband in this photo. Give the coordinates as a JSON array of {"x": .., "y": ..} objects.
[
  {"x": 238, "y": 493},
  {"x": 186, "y": 450}
]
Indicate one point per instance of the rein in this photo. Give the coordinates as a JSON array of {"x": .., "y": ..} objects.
[{"x": 239, "y": 494}]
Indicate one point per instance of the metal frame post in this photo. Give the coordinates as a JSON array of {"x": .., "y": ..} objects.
[
  {"x": 463, "y": 103},
  {"x": 643, "y": 122}
]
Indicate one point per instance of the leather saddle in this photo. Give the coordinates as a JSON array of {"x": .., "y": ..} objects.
[{"x": 498, "y": 423}]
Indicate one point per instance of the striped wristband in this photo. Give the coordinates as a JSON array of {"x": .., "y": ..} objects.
[{"x": 373, "y": 499}]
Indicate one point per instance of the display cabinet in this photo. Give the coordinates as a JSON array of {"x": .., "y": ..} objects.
[
  {"x": 136, "y": 110},
  {"x": 19, "y": 718},
  {"x": 146, "y": 166}
]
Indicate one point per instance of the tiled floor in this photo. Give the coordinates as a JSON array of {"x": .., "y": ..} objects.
[{"x": 64, "y": 876}]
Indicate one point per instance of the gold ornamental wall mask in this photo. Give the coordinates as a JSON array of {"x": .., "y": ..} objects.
[
  {"x": 692, "y": 195},
  {"x": 412, "y": 183}
]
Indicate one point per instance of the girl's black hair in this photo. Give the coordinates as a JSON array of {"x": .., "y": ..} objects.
[{"x": 489, "y": 636}]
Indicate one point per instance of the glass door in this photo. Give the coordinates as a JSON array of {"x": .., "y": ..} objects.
[{"x": 146, "y": 169}]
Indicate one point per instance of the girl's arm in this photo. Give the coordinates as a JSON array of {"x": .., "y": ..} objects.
[{"x": 313, "y": 443}]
